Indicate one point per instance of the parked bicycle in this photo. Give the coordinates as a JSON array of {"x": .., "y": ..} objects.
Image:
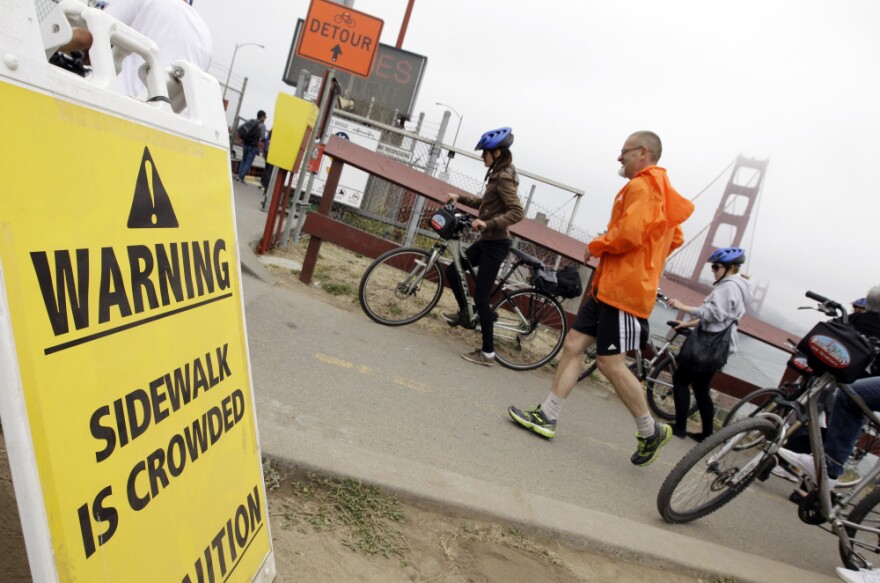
[
  {"x": 656, "y": 372},
  {"x": 404, "y": 285},
  {"x": 715, "y": 471}
]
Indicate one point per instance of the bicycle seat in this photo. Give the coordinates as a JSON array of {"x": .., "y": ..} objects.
[{"x": 533, "y": 262}]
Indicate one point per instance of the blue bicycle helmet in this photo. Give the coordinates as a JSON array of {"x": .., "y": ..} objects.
[
  {"x": 728, "y": 256},
  {"x": 860, "y": 303},
  {"x": 500, "y": 138}
]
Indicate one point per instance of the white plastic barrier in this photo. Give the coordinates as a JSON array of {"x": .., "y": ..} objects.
[{"x": 125, "y": 384}]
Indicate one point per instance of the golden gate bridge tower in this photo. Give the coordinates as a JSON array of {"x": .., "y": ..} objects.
[{"x": 727, "y": 227}]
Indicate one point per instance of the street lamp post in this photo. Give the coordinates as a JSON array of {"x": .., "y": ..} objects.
[
  {"x": 232, "y": 64},
  {"x": 458, "y": 127}
]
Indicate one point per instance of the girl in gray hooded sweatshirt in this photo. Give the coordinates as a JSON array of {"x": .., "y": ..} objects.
[{"x": 725, "y": 305}]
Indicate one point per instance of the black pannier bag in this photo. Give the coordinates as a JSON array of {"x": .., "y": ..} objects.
[
  {"x": 445, "y": 223},
  {"x": 838, "y": 349},
  {"x": 568, "y": 282},
  {"x": 564, "y": 283},
  {"x": 545, "y": 281}
]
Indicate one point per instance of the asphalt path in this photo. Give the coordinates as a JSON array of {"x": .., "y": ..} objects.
[{"x": 329, "y": 383}]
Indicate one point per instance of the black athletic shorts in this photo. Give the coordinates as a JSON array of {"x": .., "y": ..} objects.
[{"x": 615, "y": 331}]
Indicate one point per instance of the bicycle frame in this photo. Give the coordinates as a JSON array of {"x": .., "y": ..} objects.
[{"x": 458, "y": 261}]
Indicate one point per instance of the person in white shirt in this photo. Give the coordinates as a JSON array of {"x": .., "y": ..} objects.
[{"x": 175, "y": 27}]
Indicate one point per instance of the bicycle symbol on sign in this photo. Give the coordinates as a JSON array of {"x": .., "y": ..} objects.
[{"x": 344, "y": 18}]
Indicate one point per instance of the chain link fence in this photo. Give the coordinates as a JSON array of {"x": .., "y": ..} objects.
[{"x": 389, "y": 211}]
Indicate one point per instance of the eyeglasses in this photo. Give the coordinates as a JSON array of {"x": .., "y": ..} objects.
[
  {"x": 716, "y": 267},
  {"x": 625, "y": 151}
]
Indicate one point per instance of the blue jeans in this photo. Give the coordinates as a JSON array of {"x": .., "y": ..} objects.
[
  {"x": 845, "y": 424},
  {"x": 247, "y": 159}
]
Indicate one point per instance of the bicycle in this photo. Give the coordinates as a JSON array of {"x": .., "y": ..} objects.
[
  {"x": 769, "y": 400},
  {"x": 656, "y": 372},
  {"x": 344, "y": 18},
  {"x": 403, "y": 285},
  {"x": 717, "y": 470}
]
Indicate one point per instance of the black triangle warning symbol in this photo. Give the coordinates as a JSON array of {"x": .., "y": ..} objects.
[{"x": 151, "y": 207}]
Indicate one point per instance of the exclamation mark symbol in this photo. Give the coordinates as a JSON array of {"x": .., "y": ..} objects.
[
  {"x": 151, "y": 171},
  {"x": 150, "y": 207}
]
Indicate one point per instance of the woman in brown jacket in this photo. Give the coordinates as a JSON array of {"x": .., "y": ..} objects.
[{"x": 499, "y": 208}]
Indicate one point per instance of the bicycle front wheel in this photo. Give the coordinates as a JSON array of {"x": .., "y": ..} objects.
[
  {"x": 864, "y": 552},
  {"x": 529, "y": 329},
  {"x": 588, "y": 367},
  {"x": 400, "y": 287},
  {"x": 715, "y": 471},
  {"x": 658, "y": 385}
]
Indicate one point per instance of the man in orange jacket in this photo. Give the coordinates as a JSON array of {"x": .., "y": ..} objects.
[{"x": 645, "y": 227}]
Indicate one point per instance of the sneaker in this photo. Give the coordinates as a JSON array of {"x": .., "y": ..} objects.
[
  {"x": 478, "y": 357},
  {"x": 452, "y": 318},
  {"x": 649, "y": 447},
  {"x": 804, "y": 464},
  {"x": 781, "y": 472},
  {"x": 535, "y": 420},
  {"x": 860, "y": 576}
]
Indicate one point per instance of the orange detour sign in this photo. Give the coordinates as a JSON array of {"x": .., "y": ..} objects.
[{"x": 340, "y": 37}]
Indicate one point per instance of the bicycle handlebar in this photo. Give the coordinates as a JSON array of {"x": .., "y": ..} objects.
[
  {"x": 828, "y": 307},
  {"x": 817, "y": 297},
  {"x": 464, "y": 218}
]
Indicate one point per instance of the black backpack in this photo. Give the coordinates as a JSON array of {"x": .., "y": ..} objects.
[{"x": 249, "y": 132}]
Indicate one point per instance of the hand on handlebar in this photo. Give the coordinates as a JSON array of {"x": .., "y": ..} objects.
[
  {"x": 478, "y": 225},
  {"x": 453, "y": 196},
  {"x": 676, "y": 304}
]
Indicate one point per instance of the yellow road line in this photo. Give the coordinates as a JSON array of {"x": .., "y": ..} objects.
[{"x": 363, "y": 369}]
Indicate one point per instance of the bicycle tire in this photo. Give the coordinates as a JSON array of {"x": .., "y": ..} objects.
[
  {"x": 398, "y": 288},
  {"x": 865, "y": 544},
  {"x": 658, "y": 387},
  {"x": 588, "y": 367},
  {"x": 531, "y": 344},
  {"x": 699, "y": 485},
  {"x": 753, "y": 404}
]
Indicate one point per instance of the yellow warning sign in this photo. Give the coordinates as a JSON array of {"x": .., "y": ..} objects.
[{"x": 120, "y": 269}]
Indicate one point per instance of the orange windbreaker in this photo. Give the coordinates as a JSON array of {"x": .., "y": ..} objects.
[{"x": 644, "y": 229}]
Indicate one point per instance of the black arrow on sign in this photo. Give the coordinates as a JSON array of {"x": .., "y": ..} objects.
[{"x": 337, "y": 50}]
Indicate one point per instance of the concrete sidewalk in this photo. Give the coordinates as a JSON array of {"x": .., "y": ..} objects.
[{"x": 340, "y": 395}]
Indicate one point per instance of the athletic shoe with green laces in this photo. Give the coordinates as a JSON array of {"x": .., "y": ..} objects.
[
  {"x": 535, "y": 420},
  {"x": 649, "y": 447}
]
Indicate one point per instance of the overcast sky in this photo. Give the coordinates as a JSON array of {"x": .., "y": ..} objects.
[{"x": 795, "y": 81}]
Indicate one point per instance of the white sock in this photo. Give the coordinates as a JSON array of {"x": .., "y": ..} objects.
[
  {"x": 646, "y": 426},
  {"x": 489, "y": 355},
  {"x": 552, "y": 406}
]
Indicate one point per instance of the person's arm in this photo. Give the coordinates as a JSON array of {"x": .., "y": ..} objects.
[
  {"x": 466, "y": 199},
  {"x": 717, "y": 305},
  {"x": 80, "y": 41},
  {"x": 506, "y": 188},
  {"x": 677, "y": 239},
  {"x": 644, "y": 208}
]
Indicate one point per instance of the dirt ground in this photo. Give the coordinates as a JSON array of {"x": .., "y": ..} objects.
[{"x": 329, "y": 530}]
